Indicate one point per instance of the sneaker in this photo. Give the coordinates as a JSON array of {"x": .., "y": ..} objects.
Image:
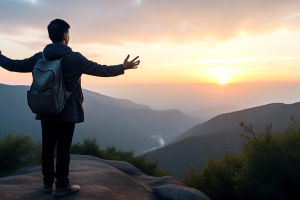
[
  {"x": 48, "y": 187},
  {"x": 61, "y": 191}
]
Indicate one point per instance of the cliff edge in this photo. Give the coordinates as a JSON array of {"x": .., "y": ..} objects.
[{"x": 99, "y": 179}]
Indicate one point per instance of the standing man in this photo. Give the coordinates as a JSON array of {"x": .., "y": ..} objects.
[{"x": 59, "y": 128}]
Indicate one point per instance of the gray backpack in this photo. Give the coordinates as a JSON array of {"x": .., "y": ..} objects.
[{"x": 48, "y": 94}]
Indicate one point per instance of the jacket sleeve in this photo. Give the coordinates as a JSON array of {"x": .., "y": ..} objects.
[
  {"x": 92, "y": 68},
  {"x": 23, "y": 66}
]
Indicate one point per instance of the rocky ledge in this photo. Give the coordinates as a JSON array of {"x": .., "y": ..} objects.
[{"x": 99, "y": 179}]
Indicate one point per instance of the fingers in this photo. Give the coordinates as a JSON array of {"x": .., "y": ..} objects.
[
  {"x": 134, "y": 59},
  {"x": 137, "y": 62},
  {"x": 133, "y": 64},
  {"x": 134, "y": 67}
]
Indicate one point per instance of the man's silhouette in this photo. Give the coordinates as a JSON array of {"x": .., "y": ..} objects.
[{"x": 59, "y": 128}]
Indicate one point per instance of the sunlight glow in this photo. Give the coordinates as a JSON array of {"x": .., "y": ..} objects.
[
  {"x": 233, "y": 60},
  {"x": 223, "y": 81},
  {"x": 220, "y": 74}
]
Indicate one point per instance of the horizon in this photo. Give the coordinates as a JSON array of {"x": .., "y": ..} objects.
[{"x": 208, "y": 96}]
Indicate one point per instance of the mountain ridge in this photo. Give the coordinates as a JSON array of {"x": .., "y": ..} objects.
[
  {"x": 190, "y": 132},
  {"x": 220, "y": 134},
  {"x": 127, "y": 126}
]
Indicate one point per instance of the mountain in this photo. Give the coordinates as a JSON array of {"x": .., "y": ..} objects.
[
  {"x": 220, "y": 134},
  {"x": 259, "y": 116},
  {"x": 212, "y": 111},
  {"x": 119, "y": 103},
  {"x": 113, "y": 122},
  {"x": 99, "y": 179}
]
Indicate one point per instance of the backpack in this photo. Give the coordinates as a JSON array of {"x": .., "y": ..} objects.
[{"x": 48, "y": 94}]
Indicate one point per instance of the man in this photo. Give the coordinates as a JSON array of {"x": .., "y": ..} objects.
[{"x": 59, "y": 128}]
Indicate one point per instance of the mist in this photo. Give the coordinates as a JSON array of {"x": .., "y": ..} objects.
[{"x": 192, "y": 97}]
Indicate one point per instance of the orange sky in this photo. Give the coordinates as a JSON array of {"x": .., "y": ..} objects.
[{"x": 191, "y": 41}]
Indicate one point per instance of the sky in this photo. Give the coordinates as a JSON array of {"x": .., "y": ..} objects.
[{"x": 190, "y": 42}]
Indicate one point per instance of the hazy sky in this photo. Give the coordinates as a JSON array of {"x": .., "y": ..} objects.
[{"x": 178, "y": 41}]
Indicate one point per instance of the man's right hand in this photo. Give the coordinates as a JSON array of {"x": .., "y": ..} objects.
[
  {"x": 130, "y": 64},
  {"x": 0, "y": 53}
]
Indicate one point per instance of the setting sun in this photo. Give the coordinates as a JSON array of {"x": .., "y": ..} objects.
[{"x": 223, "y": 81}]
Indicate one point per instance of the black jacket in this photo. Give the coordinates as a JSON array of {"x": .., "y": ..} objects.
[{"x": 73, "y": 66}]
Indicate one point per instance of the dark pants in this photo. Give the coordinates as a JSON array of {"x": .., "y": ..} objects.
[{"x": 62, "y": 133}]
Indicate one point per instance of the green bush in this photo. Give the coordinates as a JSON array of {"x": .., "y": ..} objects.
[
  {"x": 90, "y": 147},
  {"x": 20, "y": 151},
  {"x": 149, "y": 168},
  {"x": 16, "y": 152},
  {"x": 111, "y": 153},
  {"x": 272, "y": 167},
  {"x": 267, "y": 168},
  {"x": 215, "y": 179}
]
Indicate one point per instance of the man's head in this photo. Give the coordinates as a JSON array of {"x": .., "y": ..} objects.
[{"x": 58, "y": 31}]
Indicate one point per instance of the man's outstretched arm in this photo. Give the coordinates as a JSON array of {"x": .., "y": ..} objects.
[
  {"x": 95, "y": 69},
  {"x": 25, "y": 65}
]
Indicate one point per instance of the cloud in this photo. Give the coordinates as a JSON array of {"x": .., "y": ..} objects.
[
  {"x": 233, "y": 60},
  {"x": 34, "y": 45},
  {"x": 149, "y": 21}
]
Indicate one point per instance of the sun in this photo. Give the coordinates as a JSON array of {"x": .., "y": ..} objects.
[
  {"x": 223, "y": 81},
  {"x": 220, "y": 75}
]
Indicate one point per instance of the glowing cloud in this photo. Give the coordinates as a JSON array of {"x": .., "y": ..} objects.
[{"x": 233, "y": 60}]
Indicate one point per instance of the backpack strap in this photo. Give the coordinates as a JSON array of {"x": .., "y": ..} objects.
[
  {"x": 76, "y": 84},
  {"x": 69, "y": 93},
  {"x": 63, "y": 57}
]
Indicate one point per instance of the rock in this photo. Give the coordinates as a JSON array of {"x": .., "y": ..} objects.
[{"x": 99, "y": 179}]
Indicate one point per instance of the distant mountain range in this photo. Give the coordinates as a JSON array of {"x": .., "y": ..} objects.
[
  {"x": 212, "y": 111},
  {"x": 220, "y": 134},
  {"x": 113, "y": 122}
]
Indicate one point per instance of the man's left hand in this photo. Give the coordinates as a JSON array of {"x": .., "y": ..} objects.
[{"x": 131, "y": 64}]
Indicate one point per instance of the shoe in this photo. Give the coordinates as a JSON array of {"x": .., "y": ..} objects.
[
  {"x": 48, "y": 187},
  {"x": 61, "y": 191}
]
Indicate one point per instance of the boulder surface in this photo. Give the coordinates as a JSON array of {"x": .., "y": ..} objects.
[{"x": 99, "y": 179}]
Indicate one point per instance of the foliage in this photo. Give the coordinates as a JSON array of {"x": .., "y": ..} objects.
[
  {"x": 215, "y": 179},
  {"x": 90, "y": 147},
  {"x": 267, "y": 168},
  {"x": 16, "y": 152},
  {"x": 272, "y": 167},
  {"x": 20, "y": 151}
]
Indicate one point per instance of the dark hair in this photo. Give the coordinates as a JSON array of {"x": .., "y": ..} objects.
[{"x": 56, "y": 30}]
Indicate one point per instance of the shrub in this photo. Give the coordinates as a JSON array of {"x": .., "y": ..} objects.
[
  {"x": 267, "y": 168},
  {"x": 272, "y": 167},
  {"x": 90, "y": 147},
  {"x": 111, "y": 153},
  {"x": 150, "y": 168},
  {"x": 215, "y": 179},
  {"x": 16, "y": 152}
]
